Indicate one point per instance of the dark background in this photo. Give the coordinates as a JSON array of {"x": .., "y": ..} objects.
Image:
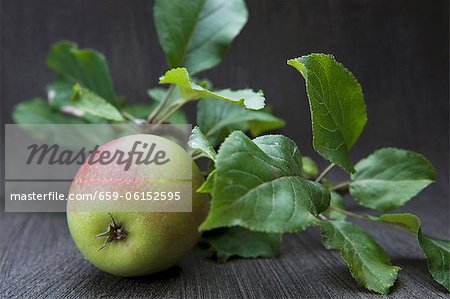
[{"x": 398, "y": 50}]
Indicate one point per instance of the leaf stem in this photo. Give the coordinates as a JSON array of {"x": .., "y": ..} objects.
[
  {"x": 131, "y": 118},
  {"x": 367, "y": 218},
  {"x": 324, "y": 172},
  {"x": 161, "y": 104},
  {"x": 198, "y": 156},
  {"x": 170, "y": 112},
  {"x": 349, "y": 213},
  {"x": 341, "y": 187},
  {"x": 322, "y": 217}
]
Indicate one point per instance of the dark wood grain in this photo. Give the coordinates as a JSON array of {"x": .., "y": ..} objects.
[
  {"x": 397, "y": 49},
  {"x": 38, "y": 259}
]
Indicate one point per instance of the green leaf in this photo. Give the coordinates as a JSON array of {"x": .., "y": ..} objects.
[
  {"x": 338, "y": 112},
  {"x": 237, "y": 241},
  {"x": 436, "y": 251},
  {"x": 208, "y": 185},
  {"x": 219, "y": 118},
  {"x": 390, "y": 177},
  {"x": 158, "y": 93},
  {"x": 91, "y": 103},
  {"x": 37, "y": 111},
  {"x": 59, "y": 93},
  {"x": 83, "y": 66},
  {"x": 283, "y": 150},
  {"x": 336, "y": 201},
  {"x": 438, "y": 257},
  {"x": 409, "y": 222},
  {"x": 197, "y": 33},
  {"x": 258, "y": 185},
  {"x": 368, "y": 263},
  {"x": 190, "y": 90},
  {"x": 199, "y": 142},
  {"x": 309, "y": 169}
]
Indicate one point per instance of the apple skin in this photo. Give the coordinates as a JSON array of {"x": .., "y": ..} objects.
[{"x": 155, "y": 241}]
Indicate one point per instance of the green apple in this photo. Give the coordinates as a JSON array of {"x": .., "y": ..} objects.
[{"x": 123, "y": 234}]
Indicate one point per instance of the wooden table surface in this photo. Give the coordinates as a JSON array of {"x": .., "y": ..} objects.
[{"x": 38, "y": 260}]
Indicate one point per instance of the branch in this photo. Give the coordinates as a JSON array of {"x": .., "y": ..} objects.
[
  {"x": 161, "y": 104},
  {"x": 341, "y": 188},
  {"x": 324, "y": 173}
]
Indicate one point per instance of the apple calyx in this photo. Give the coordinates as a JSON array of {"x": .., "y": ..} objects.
[{"x": 115, "y": 232}]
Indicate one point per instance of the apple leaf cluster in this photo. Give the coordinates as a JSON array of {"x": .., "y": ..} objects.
[{"x": 260, "y": 186}]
